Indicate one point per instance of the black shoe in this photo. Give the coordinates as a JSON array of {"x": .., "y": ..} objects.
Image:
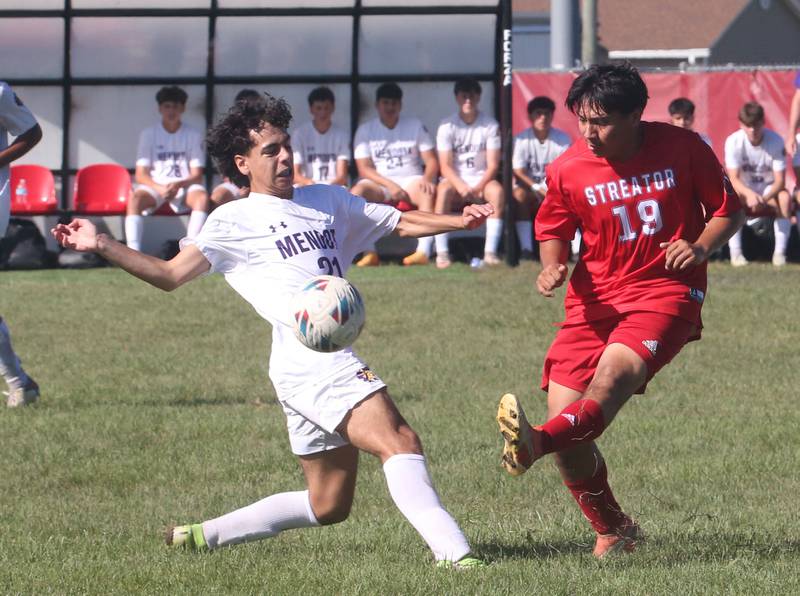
[{"x": 526, "y": 255}]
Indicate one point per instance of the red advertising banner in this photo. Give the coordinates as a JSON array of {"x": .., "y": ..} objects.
[{"x": 718, "y": 96}]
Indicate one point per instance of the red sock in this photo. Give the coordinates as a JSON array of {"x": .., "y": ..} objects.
[
  {"x": 579, "y": 422},
  {"x": 597, "y": 502}
]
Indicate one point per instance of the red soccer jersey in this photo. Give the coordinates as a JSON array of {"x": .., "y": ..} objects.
[{"x": 624, "y": 210}]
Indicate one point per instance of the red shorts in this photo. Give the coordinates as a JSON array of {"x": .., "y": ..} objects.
[{"x": 573, "y": 356}]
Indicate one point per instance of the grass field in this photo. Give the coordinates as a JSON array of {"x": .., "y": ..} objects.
[{"x": 156, "y": 408}]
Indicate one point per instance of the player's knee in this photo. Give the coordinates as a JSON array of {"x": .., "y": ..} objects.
[
  {"x": 137, "y": 202},
  {"x": 403, "y": 440},
  {"x": 332, "y": 511}
]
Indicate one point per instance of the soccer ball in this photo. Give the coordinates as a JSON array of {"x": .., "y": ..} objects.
[{"x": 327, "y": 313}]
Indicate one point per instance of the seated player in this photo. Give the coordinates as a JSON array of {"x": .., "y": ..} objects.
[
  {"x": 468, "y": 145},
  {"x": 227, "y": 191},
  {"x": 169, "y": 169},
  {"x": 321, "y": 149},
  {"x": 790, "y": 144},
  {"x": 681, "y": 114},
  {"x": 756, "y": 164},
  {"x": 534, "y": 149},
  {"x": 396, "y": 162},
  {"x": 267, "y": 246}
]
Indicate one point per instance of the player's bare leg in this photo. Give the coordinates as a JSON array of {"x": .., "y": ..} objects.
[
  {"x": 423, "y": 196},
  {"x": 377, "y": 427},
  {"x": 139, "y": 201},
  {"x": 200, "y": 205},
  {"x": 525, "y": 204},
  {"x": 782, "y": 226},
  {"x": 221, "y": 195},
  {"x": 445, "y": 197},
  {"x": 493, "y": 194},
  {"x": 372, "y": 193}
]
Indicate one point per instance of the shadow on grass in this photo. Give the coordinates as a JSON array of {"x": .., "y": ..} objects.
[{"x": 495, "y": 551}]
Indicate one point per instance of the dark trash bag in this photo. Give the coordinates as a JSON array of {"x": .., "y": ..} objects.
[{"x": 23, "y": 247}]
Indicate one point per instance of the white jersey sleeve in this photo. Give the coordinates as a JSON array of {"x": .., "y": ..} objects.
[
  {"x": 368, "y": 222},
  {"x": 520, "y": 157},
  {"x": 444, "y": 136},
  {"x": 424, "y": 140},
  {"x": 144, "y": 157},
  {"x": 222, "y": 245},
  {"x": 732, "y": 157},
  {"x": 196, "y": 153},
  {"x": 361, "y": 143},
  {"x": 14, "y": 116}
]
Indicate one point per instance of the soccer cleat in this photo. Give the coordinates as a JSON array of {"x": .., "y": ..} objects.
[
  {"x": 463, "y": 564},
  {"x": 369, "y": 259},
  {"x": 739, "y": 261},
  {"x": 23, "y": 396},
  {"x": 443, "y": 261},
  {"x": 190, "y": 537},
  {"x": 623, "y": 540},
  {"x": 491, "y": 258},
  {"x": 518, "y": 453},
  {"x": 416, "y": 258},
  {"x": 778, "y": 260}
]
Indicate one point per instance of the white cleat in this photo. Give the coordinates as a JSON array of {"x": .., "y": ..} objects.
[
  {"x": 23, "y": 396},
  {"x": 739, "y": 261}
]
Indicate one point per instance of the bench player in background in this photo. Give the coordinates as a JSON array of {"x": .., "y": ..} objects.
[
  {"x": 170, "y": 162},
  {"x": 16, "y": 119},
  {"x": 468, "y": 145},
  {"x": 397, "y": 164},
  {"x": 790, "y": 143},
  {"x": 681, "y": 114},
  {"x": 653, "y": 203},
  {"x": 321, "y": 149},
  {"x": 534, "y": 149}
]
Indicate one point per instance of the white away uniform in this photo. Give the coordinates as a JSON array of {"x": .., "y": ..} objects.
[
  {"x": 16, "y": 119},
  {"x": 757, "y": 164},
  {"x": 468, "y": 144},
  {"x": 267, "y": 248},
  {"x": 318, "y": 152},
  {"x": 533, "y": 155}
]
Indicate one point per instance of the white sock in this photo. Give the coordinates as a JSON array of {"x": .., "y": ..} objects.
[
  {"x": 424, "y": 245},
  {"x": 133, "y": 231},
  {"x": 442, "y": 244},
  {"x": 412, "y": 491},
  {"x": 196, "y": 221},
  {"x": 263, "y": 519},
  {"x": 782, "y": 227},
  {"x": 735, "y": 244},
  {"x": 10, "y": 367},
  {"x": 525, "y": 234},
  {"x": 494, "y": 231}
]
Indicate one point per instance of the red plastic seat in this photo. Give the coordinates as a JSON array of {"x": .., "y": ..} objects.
[
  {"x": 41, "y": 187},
  {"x": 102, "y": 189}
]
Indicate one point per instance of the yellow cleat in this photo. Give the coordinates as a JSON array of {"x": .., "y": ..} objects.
[
  {"x": 416, "y": 258},
  {"x": 369, "y": 259},
  {"x": 518, "y": 454}
]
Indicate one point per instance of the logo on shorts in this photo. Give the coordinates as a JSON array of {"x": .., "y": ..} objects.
[
  {"x": 651, "y": 345},
  {"x": 697, "y": 295},
  {"x": 570, "y": 418},
  {"x": 365, "y": 374}
]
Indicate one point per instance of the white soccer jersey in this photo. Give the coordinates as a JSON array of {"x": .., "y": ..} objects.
[
  {"x": 267, "y": 248},
  {"x": 533, "y": 155},
  {"x": 757, "y": 164},
  {"x": 318, "y": 152},
  {"x": 395, "y": 152},
  {"x": 468, "y": 143},
  {"x": 169, "y": 156},
  {"x": 16, "y": 119}
]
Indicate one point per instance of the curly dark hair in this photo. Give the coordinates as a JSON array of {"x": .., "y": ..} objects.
[
  {"x": 231, "y": 135},
  {"x": 608, "y": 87}
]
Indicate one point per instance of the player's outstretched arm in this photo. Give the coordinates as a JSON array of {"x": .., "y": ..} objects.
[
  {"x": 414, "y": 224},
  {"x": 81, "y": 235},
  {"x": 554, "y": 254},
  {"x": 682, "y": 254}
]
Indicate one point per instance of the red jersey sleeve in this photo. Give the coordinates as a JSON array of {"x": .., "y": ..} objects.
[
  {"x": 555, "y": 219},
  {"x": 712, "y": 186}
]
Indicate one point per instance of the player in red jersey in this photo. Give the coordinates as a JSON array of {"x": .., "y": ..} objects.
[{"x": 652, "y": 202}]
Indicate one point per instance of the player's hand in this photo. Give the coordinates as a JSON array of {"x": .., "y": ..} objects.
[
  {"x": 474, "y": 215},
  {"x": 550, "y": 278},
  {"x": 753, "y": 200},
  {"x": 791, "y": 144},
  {"x": 681, "y": 255},
  {"x": 397, "y": 194},
  {"x": 428, "y": 187},
  {"x": 79, "y": 234},
  {"x": 477, "y": 192},
  {"x": 171, "y": 190}
]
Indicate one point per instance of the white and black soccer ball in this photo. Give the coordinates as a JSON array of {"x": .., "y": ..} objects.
[{"x": 328, "y": 313}]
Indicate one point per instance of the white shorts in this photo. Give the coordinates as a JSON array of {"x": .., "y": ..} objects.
[
  {"x": 177, "y": 203},
  {"x": 404, "y": 182},
  {"x": 313, "y": 414},
  {"x": 230, "y": 187}
]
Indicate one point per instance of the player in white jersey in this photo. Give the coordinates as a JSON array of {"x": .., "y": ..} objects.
[
  {"x": 16, "y": 119},
  {"x": 321, "y": 149},
  {"x": 397, "y": 165},
  {"x": 267, "y": 245},
  {"x": 468, "y": 145},
  {"x": 227, "y": 191},
  {"x": 535, "y": 148},
  {"x": 790, "y": 144},
  {"x": 681, "y": 114},
  {"x": 169, "y": 168},
  {"x": 755, "y": 159}
]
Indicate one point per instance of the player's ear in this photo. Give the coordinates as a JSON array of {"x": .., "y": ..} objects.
[{"x": 240, "y": 161}]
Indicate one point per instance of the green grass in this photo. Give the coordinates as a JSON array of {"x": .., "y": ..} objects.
[{"x": 156, "y": 408}]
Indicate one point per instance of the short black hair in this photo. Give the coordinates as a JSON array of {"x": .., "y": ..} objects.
[
  {"x": 247, "y": 95},
  {"x": 751, "y": 113},
  {"x": 171, "y": 93},
  {"x": 681, "y": 106},
  {"x": 231, "y": 136},
  {"x": 389, "y": 91},
  {"x": 467, "y": 85},
  {"x": 541, "y": 102},
  {"x": 608, "y": 87},
  {"x": 321, "y": 94}
]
